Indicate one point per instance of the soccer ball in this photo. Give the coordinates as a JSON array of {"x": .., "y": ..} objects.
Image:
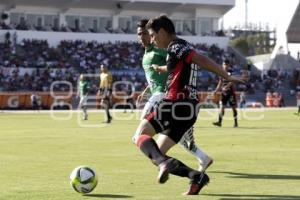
[{"x": 83, "y": 179}]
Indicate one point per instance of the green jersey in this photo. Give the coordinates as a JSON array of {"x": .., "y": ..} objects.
[
  {"x": 83, "y": 88},
  {"x": 157, "y": 81}
]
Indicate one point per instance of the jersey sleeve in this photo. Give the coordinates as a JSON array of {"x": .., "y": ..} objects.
[{"x": 179, "y": 53}]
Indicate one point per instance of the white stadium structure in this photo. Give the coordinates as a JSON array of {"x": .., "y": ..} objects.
[{"x": 113, "y": 20}]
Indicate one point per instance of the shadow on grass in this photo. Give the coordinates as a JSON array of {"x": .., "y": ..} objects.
[
  {"x": 112, "y": 196},
  {"x": 259, "y": 176},
  {"x": 253, "y": 197}
]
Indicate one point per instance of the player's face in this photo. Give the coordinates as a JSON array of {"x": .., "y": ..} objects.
[
  {"x": 225, "y": 66},
  {"x": 143, "y": 36},
  {"x": 158, "y": 38},
  {"x": 81, "y": 77},
  {"x": 103, "y": 69}
]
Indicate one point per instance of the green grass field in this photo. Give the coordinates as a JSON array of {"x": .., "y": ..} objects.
[{"x": 258, "y": 160}]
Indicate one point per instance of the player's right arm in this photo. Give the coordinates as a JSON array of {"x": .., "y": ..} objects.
[{"x": 210, "y": 65}]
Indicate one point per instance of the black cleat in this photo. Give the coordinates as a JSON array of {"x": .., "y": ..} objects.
[
  {"x": 235, "y": 125},
  {"x": 219, "y": 124},
  {"x": 197, "y": 184},
  {"x": 164, "y": 169}
]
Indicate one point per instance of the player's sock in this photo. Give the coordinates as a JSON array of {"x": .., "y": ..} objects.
[
  {"x": 149, "y": 147},
  {"x": 188, "y": 143},
  {"x": 184, "y": 171},
  {"x": 220, "y": 118},
  {"x": 107, "y": 114},
  {"x": 85, "y": 115},
  {"x": 298, "y": 110}
]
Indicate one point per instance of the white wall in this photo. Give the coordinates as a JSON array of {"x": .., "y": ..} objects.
[
  {"x": 54, "y": 38},
  {"x": 212, "y": 2}
]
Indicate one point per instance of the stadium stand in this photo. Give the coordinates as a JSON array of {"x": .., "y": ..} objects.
[{"x": 39, "y": 46}]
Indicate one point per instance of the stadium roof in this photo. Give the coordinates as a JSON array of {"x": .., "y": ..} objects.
[
  {"x": 293, "y": 32},
  {"x": 157, "y": 5}
]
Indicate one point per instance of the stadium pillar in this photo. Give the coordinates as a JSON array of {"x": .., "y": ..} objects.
[
  {"x": 62, "y": 19},
  {"x": 115, "y": 22}
]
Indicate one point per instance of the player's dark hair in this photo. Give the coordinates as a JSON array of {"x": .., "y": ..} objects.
[
  {"x": 142, "y": 23},
  {"x": 161, "y": 22}
]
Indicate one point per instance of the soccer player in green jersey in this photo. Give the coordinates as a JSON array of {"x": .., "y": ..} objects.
[
  {"x": 157, "y": 86},
  {"x": 82, "y": 92}
]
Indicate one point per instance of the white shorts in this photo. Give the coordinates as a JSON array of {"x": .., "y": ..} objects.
[
  {"x": 83, "y": 101},
  {"x": 154, "y": 99}
]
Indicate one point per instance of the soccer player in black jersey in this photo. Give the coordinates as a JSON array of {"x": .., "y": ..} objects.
[
  {"x": 228, "y": 96},
  {"x": 177, "y": 112}
]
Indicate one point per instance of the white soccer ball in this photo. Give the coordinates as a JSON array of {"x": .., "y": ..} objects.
[{"x": 83, "y": 179}]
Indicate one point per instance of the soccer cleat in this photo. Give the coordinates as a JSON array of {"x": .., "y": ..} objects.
[
  {"x": 219, "y": 124},
  {"x": 164, "y": 169},
  {"x": 197, "y": 184},
  {"x": 108, "y": 120},
  {"x": 205, "y": 164},
  {"x": 235, "y": 125},
  {"x": 85, "y": 117}
]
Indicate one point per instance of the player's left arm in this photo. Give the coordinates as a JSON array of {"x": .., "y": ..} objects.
[{"x": 229, "y": 85}]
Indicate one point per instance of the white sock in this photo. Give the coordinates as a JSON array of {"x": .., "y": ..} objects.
[
  {"x": 194, "y": 150},
  {"x": 188, "y": 143}
]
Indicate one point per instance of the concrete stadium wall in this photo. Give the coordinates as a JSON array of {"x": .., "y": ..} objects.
[{"x": 54, "y": 38}]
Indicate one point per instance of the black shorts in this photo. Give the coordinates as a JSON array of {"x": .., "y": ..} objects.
[
  {"x": 174, "y": 118},
  {"x": 35, "y": 105},
  {"x": 104, "y": 93},
  {"x": 228, "y": 97}
]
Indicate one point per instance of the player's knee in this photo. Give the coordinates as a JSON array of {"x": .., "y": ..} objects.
[{"x": 134, "y": 139}]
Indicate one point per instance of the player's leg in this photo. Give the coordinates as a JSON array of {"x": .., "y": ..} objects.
[
  {"x": 149, "y": 147},
  {"x": 143, "y": 115},
  {"x": 188, "y": 143},
  {"x": 182, "y": 118},
  {"x": 81, "y": 107},
  {"x": 221, "y": 114},
  {"x": 84, "y": 108},
  {"x": 198, "y": 179},
  {"x": 233, "y": 104},
  {"x": 235, "y": 116},
  {"x": 145, "y": 110},
  {"x": 105, "y": 105},
  {"x": 153, "y": 100},
  {"x": 98, "y": 99},
  {"x": 298, "y": 109},
  {"x": 154, "y": 123}
]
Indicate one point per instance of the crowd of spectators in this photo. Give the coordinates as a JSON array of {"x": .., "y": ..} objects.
[
  {"x": 71, "y": 58},
  {"x": 123, "y": 59}
]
